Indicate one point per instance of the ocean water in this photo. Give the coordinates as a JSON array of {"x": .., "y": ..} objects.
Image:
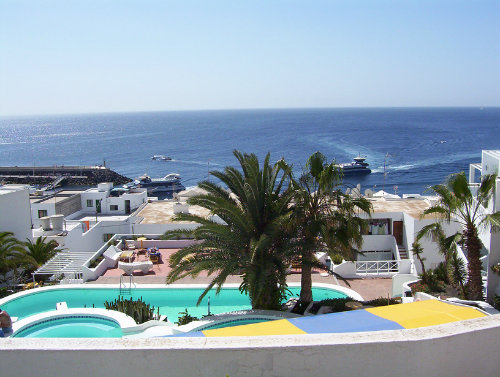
[{"x": 420, "y": 147}]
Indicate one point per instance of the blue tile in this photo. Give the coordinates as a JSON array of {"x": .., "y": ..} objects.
[
  {"x": 351, "y": 321},
  {"x": 195, "y": 334}
]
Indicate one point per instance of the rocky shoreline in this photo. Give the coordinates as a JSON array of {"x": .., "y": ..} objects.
[{"x": 69, "y": 175}]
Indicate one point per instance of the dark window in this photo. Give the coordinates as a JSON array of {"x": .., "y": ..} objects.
[{"x": 42, "y": 213}]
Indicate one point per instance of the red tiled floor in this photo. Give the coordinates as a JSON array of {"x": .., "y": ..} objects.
[{"x": 368, "y": 288}]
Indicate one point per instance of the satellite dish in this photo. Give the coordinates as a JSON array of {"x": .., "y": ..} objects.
[{"x": 368, "y": 193}]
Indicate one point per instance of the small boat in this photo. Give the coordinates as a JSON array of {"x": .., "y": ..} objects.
[
  {"x": 357, "y": 167},
  {"x": 161, "y": 157}
]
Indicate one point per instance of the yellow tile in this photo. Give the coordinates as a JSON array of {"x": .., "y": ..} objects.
[
  {"x": 425, "y": 313},
  {"x": 278, "y": 327}
]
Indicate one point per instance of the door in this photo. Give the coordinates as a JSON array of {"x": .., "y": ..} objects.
[
  {"x": 127, "y": 207},
  {"x": 397, "y": 231},
  {"x": 98, "y": 206}
]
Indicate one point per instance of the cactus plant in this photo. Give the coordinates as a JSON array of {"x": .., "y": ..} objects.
[{"x": 137, "y": 309}]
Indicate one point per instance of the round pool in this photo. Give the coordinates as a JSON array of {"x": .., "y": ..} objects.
[{"x": 74, "y": 326}]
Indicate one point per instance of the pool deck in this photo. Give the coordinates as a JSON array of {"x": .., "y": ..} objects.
[{"x": 368, "y": 288}]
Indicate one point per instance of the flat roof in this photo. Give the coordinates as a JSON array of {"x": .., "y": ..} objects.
[
  {"x": 7, "y": 189},
  {"x": 61, "y": 195},
  {"x": 493, "y": 152},
  {"x": 162, "y": 212},
  {"x": 412, "y": 207},
  {"x": 92, "y": 217}
]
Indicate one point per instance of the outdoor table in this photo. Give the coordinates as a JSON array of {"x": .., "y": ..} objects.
[{"x": 127, "y": 254}]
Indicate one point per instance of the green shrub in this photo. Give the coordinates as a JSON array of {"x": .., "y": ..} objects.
[
  {"x": 433, "y": 282},
  {"x": 441, "y": 272},
  {"x": 336, "y": 304},
  {"x": 496, "y": 302},
  {"x": 382, "y": 301},
  {"x": 96, "y": 261},
  {"x": 137, "y": 309},
  {"x": 336, "y": 258},
  {"x": 185, "y": 318},
  {"x": 4, "y": 292}
]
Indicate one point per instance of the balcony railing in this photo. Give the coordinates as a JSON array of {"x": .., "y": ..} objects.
[{"x": 377, "y": 267}]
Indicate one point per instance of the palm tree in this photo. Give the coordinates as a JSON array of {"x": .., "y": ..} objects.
[
  {"x": 249, "y": 240},
  {"x": 457, "y": 203},
  {"x": 40, "y": 251},
  {"x": 418, "y": 251},
  {"x": 12, "y": 253},
  {"x": 446, "y": 245},
  {"x": 325, "y": 217}
]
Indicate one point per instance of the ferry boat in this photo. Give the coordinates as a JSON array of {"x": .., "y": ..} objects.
[
  {"x": 357, "y": 167},
  {"x": 169, "y": 183}
]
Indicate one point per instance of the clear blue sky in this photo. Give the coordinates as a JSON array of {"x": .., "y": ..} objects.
[{"x": 99, "y": 56}]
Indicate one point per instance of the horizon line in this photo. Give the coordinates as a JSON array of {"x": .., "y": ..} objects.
[{"x": 246, "y": 109}]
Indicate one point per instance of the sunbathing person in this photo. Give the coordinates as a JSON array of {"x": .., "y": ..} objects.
[{"x": 5, "y": 324}]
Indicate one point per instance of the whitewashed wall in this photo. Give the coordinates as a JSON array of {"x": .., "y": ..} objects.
[
  {"x": 15, "y": 215},
  {"x": 431, "y": 249},
  {"x": 468, "y": 348}
]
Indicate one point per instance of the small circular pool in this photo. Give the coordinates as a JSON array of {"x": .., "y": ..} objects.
[{"x": 75, "y": 326}]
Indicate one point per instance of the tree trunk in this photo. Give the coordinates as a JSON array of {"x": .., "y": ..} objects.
[
  {"x": 306, "y": 277},
  {"x": 263, "y": 289},
  {"x": 475, "y": 281}
]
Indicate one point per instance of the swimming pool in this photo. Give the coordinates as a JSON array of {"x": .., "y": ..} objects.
[
  {"x": 170, "y": 301},
  {"x": 75, "y": 326}
]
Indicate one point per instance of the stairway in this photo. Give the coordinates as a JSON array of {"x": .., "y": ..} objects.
[{"x": 402, "y": 252}]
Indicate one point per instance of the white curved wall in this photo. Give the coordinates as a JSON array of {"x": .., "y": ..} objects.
[{"x": 468, "y": 348}]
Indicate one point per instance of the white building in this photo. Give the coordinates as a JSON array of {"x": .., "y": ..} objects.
[
  {"x": 15, "y": 211},
  {"x": 490, "y": 164},
  {"x": 91, "y": 217},
  {"x": 107, "y": 200},
  {"x": 63, "y": 202}
]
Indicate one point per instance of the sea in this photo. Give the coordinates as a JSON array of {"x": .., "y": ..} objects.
[{"x": 408, "y": 149}]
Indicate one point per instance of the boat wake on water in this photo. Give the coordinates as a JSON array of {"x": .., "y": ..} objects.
[{"x": 196, "y": 162}]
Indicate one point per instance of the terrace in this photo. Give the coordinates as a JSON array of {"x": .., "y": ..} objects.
[{"x": 370, "y": 288}]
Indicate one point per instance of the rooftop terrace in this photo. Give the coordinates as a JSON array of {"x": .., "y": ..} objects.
[
  {"x": 162, "y": 212},
  {"x": 412, "y": 207}
]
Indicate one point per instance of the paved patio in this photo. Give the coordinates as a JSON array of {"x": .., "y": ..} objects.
[{"x": 368, "y": 288}]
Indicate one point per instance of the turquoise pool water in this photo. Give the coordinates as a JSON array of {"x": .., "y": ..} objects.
[
  {"x": 72, "y": 327},
  {"x": 171, "y": 301}
]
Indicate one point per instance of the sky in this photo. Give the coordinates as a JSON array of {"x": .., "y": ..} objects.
[{"x": 119, "y": 55}]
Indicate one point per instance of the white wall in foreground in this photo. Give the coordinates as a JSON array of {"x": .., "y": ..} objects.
[
  {"x": 15, "y": 212},
  {"x": 468, "y": 348}
]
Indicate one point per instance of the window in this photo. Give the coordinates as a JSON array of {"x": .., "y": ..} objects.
[
  {"x": 378, "y": 227},
  {"x": 108, "y": 236},
  {"x": 113, "y": 207},
  {"x": 42, "y": 213},
  {"x": 89, "y": 203}
]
